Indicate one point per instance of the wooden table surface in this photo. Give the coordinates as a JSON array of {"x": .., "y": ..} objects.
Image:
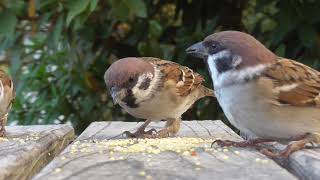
[
  {"x": 27, "y": 149},
  {"x": 101, "y": 152}
]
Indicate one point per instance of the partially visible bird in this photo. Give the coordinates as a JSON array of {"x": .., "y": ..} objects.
[
  {"x": 262, "y": 94},
  {"x": 7, "y": 96},
  {"x": 154, "y": 89}
]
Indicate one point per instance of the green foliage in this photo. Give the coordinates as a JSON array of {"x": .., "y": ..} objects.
[{"x": 58, "y": 51}]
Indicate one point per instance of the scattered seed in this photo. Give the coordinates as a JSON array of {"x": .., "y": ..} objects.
[
  {"x": 186, "y": 146},
  {"x": 3, "y": 139},
  {"x": 193, "y": 153},
  {"x": 225, "y": 157},
  {"x": 142, "y": 173},
  {"x": 57, "y": 170},
  {"x": 186, "y": 153}
]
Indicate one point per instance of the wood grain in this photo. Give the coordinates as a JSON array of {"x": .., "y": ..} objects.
[
  {"x": 27, "y": 149},
  {"x": 305, "y": 163},
  {"x": 91, "y": 157}
]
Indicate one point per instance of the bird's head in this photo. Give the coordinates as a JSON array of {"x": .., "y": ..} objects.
[
  {"x": 232, "y": 56},
  {"x": 127, "y": 76}
]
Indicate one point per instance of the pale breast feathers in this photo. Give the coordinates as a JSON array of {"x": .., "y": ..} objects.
[
  {"x": 184, "y": 78},
  {"x": 294, "y": 83}
]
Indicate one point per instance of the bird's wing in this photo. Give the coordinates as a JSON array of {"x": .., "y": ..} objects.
[
  {"x": 184, "y": 79},
  {"x": 294, "y": 83}
]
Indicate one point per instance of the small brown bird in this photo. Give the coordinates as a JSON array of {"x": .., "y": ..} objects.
[
  {"x": 261, "y": 94},
  {"x": 7, "y": 95},
  {"x": 154, "y": 89}
]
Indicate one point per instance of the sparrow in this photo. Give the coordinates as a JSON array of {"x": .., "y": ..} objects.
[
  {"x": 261, "y": 94},
  {"x": 7, "y": 95},
  {"x": 154, "y": 89}
]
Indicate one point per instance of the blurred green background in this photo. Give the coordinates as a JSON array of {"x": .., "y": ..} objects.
[{"x": 57, "y": 50}]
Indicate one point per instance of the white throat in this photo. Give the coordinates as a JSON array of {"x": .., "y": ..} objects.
[{"x": 232, "y": 76}]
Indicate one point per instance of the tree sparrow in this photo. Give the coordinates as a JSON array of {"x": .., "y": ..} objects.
[
  {"x": 154, "y": 89},
  {"x": 7, "y": 95},
  {"x": 271, "y": 97}
]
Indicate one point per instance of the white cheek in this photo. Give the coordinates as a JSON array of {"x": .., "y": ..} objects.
[
  {"x": 140, "y": 93},
  {"x": 213, "y": 69},
  {"x": 145, "y": 94},
  {"x": 233, "y": 75},
  {"x": 142, "y": 78},
  {"x": 212, "y": 65}
]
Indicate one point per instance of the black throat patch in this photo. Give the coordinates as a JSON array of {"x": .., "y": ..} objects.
[{"x": 130, "y": 100}]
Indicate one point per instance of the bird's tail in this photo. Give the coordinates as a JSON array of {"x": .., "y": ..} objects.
[{"x": 207, "y": 92}]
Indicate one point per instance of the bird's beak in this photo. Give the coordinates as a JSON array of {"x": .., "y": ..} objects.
[
  {"x": 114, "y": 95},
  {"x": 198, "y": 50}
]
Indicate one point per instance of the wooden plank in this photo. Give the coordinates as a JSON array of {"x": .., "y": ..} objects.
[
  {"x": 27, "y": 149},
  {"x": 189, "y": 156},
  {"x": 305, "y": 164}
]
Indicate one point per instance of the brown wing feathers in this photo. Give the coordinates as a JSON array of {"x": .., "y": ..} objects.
[
  {"x": 298, "y": 85},
  {"x": 186, "y": 80}
]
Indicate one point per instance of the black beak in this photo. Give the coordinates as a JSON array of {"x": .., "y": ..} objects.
[{"x": 198, "y": 50}]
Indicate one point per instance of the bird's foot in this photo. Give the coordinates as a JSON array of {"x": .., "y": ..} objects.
[
  {"x": 291, "y": 148},
  {"x": 309, "y": 138},
  {"x": 151, "y": 134},
  {"x": 248, "y": 143},
  {"x": 226, "y": 143},
  {"x": 140, "y": 133},
  {"x": 163, "y": 133}
]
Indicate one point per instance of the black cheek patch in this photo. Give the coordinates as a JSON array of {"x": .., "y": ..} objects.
[
  {"x": 145, "y": 84},
  {"x": 224, "y": 64},
  {"x": 130, "y": 100}
]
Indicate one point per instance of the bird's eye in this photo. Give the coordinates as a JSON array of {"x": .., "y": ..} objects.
[{"x": 214, "y": 46}]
